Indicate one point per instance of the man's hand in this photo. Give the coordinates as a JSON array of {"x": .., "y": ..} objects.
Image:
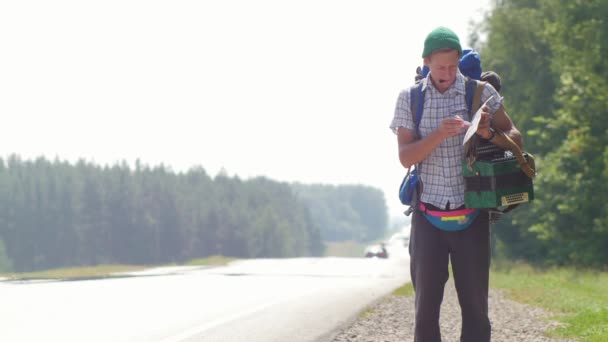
[
  {"x": 450, "y": 127},
  {"x": 483, "y": 129}
]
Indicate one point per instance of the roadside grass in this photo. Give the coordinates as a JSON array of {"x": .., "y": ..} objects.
[
  {"x": 75, "y": 273},
  {"x": 214, "y": 260},
  {"x": 348, "y": 249},
  {"x": 578, "y": 298},
  {"x": 406, "y": 290},
  {"x": 367, "y": 312},
  {"x": 106, "y": 271}
]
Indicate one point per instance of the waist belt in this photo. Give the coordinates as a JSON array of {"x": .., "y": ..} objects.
[{"x": 452, "y": 220}]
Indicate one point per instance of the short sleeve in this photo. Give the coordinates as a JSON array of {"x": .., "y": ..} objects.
[
  {"x": 496, "y": 101},
  {"x": 403, "y": 113}
]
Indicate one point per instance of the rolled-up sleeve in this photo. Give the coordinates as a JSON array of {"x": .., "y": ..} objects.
[
  {"x": 496, "y": 101},
  {"x": 403, "y": 115}
]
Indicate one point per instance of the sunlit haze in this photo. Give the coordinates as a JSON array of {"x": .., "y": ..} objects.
[{"x": 291, "y": 90}]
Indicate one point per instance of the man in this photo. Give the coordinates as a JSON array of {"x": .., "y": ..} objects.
[{"x": 438, "y": 153}]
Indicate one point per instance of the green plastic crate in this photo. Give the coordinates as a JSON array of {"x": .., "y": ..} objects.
[{"x": 496, "y": 183}]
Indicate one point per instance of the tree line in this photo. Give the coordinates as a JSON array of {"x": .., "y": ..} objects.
[
  {"x": 345, "y": 212},
  {"x": 56, "y": 214},
  {"x": 551, "y": 57}
]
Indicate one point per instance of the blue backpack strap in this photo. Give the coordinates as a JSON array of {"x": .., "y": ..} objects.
[
  {"x": 417, "y": 105},
  {"x": 411, "y": 178}
]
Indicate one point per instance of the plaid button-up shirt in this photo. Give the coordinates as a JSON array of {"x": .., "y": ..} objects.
[{"x": 441, "y": 172}]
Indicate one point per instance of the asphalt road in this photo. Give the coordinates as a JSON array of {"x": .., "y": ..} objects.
[{"x": 296, "y": 300}]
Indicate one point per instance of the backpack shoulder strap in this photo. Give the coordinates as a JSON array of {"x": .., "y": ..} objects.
[
  {"x": 473, "y": 92},
  {"x": 417, "y": 105}
]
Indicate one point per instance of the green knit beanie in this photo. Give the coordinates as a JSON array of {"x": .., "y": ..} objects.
[{"x": 440, "y": 38}]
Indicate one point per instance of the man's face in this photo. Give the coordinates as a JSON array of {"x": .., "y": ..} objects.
[{"x": 443, "y": 66}]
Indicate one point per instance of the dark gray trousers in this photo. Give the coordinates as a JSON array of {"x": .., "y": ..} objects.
[{"x": 469, "y": 252}]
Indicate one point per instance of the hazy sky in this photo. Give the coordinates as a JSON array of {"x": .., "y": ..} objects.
[{"x": 292, "y": 90}]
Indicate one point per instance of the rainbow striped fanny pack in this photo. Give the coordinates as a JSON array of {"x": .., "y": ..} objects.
[{"x": 453, "y": 220}]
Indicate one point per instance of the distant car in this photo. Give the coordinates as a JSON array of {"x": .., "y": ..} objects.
[{"x": 376, "y": 251}]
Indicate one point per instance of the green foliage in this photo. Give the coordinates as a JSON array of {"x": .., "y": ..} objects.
[
  {"x": 516, "y": 49},
  {"x": 577, "y": 297},
  {"x": 54, "y": 214},
  {"x": 551, "y": 55},
  {"x": 346, "y": 212}
]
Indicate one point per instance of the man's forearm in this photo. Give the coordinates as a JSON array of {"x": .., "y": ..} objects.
[
  {"x": 514, "y": 135},
  {"x": 416, "y": 151}
]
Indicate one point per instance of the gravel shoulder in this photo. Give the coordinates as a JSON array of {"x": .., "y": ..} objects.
[{"x": 391, "y": 320}]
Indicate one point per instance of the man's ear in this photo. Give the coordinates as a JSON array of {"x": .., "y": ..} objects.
[{"x": 426, "y": 60}]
